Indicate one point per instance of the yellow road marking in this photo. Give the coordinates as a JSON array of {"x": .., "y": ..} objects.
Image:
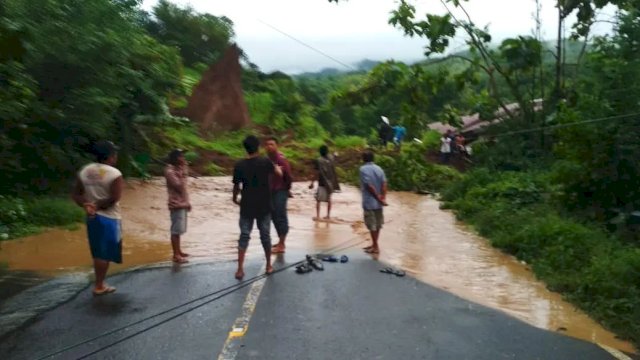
[{"x": 241, "y": 325}]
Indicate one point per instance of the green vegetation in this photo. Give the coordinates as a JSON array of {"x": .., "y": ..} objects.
[
  {"x": 20, "y": 218},
  {"x": 519, "y": 213},
  {"x": 555, "y": 191}
]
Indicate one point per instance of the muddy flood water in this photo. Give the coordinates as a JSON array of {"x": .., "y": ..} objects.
[{"x": 419, "y": 237}]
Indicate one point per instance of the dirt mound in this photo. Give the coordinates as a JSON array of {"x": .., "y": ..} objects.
[{"x": 217, "y": 102}]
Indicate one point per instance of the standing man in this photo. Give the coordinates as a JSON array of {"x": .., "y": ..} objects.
[
  {"x": 445, "y": 147},
  {"x": 280, "y": 192},
  {"x": 255, "y": 204},
  {"x": 176, "y": 174},
  {"x": 385, "y": 132},
  {"x": 98, "y": 190},
  {"x": 327, "y": 181},
  {"x": 373, "y": 184}
]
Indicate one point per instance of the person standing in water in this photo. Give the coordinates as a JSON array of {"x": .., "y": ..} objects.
[
  {"x": 373, "y": 184},
  {"x": 327, "y": 181},
  {"x": 98, "y": 191},
  {"x": 176, "y": 174}
]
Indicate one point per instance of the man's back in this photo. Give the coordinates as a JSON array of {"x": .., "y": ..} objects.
[
  {"x": 371, "y": 174},
  {"x": 253, "y": 174},
  {"x": 97, "y": 179}
]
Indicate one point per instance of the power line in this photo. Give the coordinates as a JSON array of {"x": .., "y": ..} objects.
[
  {"x": 124, "y": 327},
  {"x": 225, "y": 291},
  {"x": 309, "y": 46},
  {"x": 558, "y": 126}
]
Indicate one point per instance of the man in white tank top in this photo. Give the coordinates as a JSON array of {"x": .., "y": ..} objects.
[{"x": 98, "y": 190}]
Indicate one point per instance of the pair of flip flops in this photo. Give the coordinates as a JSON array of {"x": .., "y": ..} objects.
[
  {"x": 390, "y": 270},
  {"x": 330, "y": 258},
  {"x": 315, "y": 263},
  {"x": 304, "y": 268},
  {"x": 311, "y": 264}
]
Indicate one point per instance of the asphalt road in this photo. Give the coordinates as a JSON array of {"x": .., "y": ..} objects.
[{"x": 348, "y": 311}]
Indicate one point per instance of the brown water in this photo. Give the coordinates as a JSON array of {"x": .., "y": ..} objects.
[{"x": 419, "y": 237}]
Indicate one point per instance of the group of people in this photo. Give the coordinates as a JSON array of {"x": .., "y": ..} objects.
[
  {"x": 261, "y": 188},
  {"x": 452, "y": 143},
  {"x": 388, "y": 133}
]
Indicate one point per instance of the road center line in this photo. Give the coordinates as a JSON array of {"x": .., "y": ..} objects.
[
  {"x": 614, "y": 352},
  {"x": 241, "y": 325}
]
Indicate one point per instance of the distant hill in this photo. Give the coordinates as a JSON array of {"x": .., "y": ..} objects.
[{"x": 573, "y": 49}]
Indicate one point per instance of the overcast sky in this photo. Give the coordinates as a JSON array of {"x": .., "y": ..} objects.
[{"x": 353, "y": 30}]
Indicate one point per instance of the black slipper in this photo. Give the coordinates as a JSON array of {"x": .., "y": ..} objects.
[
  {"x": 315, "y": 263},
  {"x": 330, "y": 258},
  {"x": 387, "y": 270},
  {"x": 303, "y": 268},
  {"x": 390, "y": 270}
]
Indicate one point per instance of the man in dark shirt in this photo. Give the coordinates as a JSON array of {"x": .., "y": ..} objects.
[{"x": 255, "y": 203}]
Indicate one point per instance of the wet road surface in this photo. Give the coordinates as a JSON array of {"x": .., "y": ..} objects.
[
  {"x": 348, "y": 311},
  {"x": 418, "y": 237}
]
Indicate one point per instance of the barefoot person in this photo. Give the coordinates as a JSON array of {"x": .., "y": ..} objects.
[
  {"x": 176, "y": 174},
  {"x": 327, "y": 181},
  {"x": 280, "y": 190},
  {"x": 98, "y": 190},
  {"x": 373, "y": 184},
  {"x": 252, "y": 174}
]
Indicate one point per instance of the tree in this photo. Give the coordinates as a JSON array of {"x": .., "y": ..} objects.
[
  {"x": 201, "y": 38},
  {"x": 97, "y": 78}
]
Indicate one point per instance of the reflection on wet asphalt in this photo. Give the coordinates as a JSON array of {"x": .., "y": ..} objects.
[{"x": 419, "y": 237}]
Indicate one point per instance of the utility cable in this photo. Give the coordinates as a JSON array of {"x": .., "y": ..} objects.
[
  {"x": 239, "y": 286},
  {"x": 590, "y": 121},
  {"x": 111, "y": 332},
  {"x": 225, "y": 291},
  {"x": 309, "y": 46}
]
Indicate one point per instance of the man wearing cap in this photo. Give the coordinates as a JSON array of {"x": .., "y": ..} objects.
[
  {"x": 98, "y": 190},
  {"x": 176, "y": 174}
]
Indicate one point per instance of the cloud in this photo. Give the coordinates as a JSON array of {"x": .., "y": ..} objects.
[{"x": 353, "y": 30}]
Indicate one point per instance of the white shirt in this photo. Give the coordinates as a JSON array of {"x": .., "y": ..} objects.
[
  {"x": 446, "y": 145},
  {"x": 96, "y": 179}
]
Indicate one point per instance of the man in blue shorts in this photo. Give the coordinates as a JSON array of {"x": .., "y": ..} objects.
[{"x": 98, "y": 190}]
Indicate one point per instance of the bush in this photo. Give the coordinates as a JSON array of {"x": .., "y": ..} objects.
[
  {"x": 214, "y": 170},
  {"x": 408, "y": 170},
  {"x": 517, "y": 211},
  {"x": 187, "y": 137},
  {"x": 349, "y": 142},
  {"x": 20, "y": 218},
  {"x": 53, "y": 212},
  {"x": 431, "y": 140}
]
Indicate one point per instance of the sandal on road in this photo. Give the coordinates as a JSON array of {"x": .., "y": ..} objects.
[
  {"x": 315, "y": 263},
  {"x": 104, "y": 290},
  {"x": 372, "y": 251},
  {"x": 390, "y": 270},
  {"x": 304, "y": 268},
  {"x": 330, "y": 258}
]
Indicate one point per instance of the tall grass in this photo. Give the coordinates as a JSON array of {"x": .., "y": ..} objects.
[{"x": 20, "y": 217}]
